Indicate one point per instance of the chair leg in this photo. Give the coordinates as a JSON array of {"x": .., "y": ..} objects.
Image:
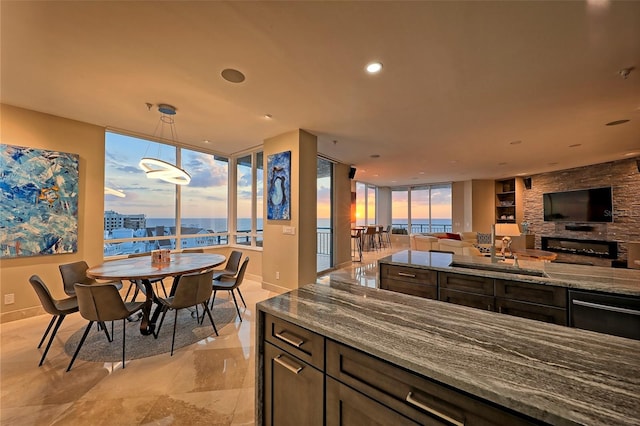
[
  {"x": 124, "y": 337},
  {"x": 213, "y": 298},
  {"x": 44, "y": 336},
  {"x": 173, "y": 339},
  {"x": 206, "y": 308},
  {"x": 241, "y": 298},
  {"x": 236, "y": 302},
  {"x": 164, "y": 312},
  {"x": 128, "y": 291},
  {"x": 84, "y": 336},
  {"x": 53, "y": 334}
]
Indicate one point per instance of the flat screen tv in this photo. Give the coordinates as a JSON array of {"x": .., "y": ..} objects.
[{"x": 583, "y": 205}]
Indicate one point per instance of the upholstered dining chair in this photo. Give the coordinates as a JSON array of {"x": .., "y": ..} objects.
[
  {"x": 230, "y": 284},
  {"x": 136, "y": 288},
  {"x": 58, "y": 308},
  {"x": 101, "y": 303},
  {"x": 76, "y": 272},
  {"x": 231, "y": 267},
  {"x": 192, "y": 290}
]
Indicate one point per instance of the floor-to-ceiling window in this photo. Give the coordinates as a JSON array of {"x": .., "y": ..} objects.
[
  {"x": 424, "y": 208},
  {"x": 365, "y": 204},
  {"x": 249, "y": 199},
  {"x": 324, "y": 225},
  {"x": 144, "y": 214}
]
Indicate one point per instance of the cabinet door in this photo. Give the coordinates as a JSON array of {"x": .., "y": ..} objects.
[
  {"x": 463, "y": 298},
  {"x": 293, "y": 390},
  {"x": 347, "y": 407},
  {"x": 300, "y": 342},
  {"x": 533, "y": 293},
  {"x": 414, "y": 289},
  {"x": 534, "y": 311},
  {"x": 467, "y": 283}
]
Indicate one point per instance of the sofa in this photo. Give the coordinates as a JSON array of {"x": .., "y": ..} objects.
[{"x": 464, "y": 243}]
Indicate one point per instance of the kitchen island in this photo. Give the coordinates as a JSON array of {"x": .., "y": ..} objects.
[{"x": 424, "y": 360}]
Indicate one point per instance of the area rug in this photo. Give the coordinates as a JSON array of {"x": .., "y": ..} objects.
[{"x": 188, "y": 331}]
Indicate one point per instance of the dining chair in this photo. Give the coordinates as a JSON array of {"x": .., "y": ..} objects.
[
  {"x": 101, "y": 303},
  {"x": 231, "y": 267},
  {"x": 230, "y": 284},
  {"x": 370, "y": 237},
  {"x": 193, "y": 250},
  {"x": 59, "y": 309},
  {"x": 356, "y": 244},
  {"x": 192, "y": 290},
  {"x": 385, "y": 234},
  {"x": 135, "y": 285},
  {"x": 76, "y": 272}
]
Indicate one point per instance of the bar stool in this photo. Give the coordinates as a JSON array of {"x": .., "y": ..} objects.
[{"x": 356, "y": 244}]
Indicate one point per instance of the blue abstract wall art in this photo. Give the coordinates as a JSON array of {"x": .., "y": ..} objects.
[
  {"x": 38, "y": 202},
  {"x": 279, "y": 186}
]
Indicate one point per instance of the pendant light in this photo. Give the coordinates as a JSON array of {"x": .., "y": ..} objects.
[{"x": 156, "y": 168}]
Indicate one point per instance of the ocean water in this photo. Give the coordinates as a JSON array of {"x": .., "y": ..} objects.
[{"x": 220, "y": 224}]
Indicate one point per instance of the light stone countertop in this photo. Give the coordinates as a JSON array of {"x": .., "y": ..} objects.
[
  {"x": 552, "y": 373},
  {"x": 595, "y": 278}
]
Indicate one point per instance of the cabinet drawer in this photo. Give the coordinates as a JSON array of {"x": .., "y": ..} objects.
[
  {"x": 347, "y": 407},
  {"x": 534, "y": 293},
  {"x": 413, "y": 396},
  {"x": 468, "y": 283},
  {"x": 479, "y": 301},
  {"x": 402, "y": 273},
  {"x": 415, "y": 289},
  {"x": 550, "y": 314},
  {"x": 298, "y": 341},
  {"x": 295, "y": 390}
]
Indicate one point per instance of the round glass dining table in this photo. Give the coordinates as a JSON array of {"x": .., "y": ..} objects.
[{"x": 140, "y": 270}]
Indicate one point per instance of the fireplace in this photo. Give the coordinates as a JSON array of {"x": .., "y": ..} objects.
[{"x": 594, "y": 248}]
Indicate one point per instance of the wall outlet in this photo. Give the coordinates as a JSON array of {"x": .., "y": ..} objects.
[
  {"x": 289, "y": 230},
  {"x": 277, "y": 278},
  {"x": 9, "y": 299}
]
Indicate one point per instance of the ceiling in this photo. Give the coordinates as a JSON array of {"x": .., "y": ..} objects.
[{"x": 462, "y": 82}]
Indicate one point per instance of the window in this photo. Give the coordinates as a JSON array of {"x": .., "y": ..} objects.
[
  {"x": 425, "y": 208},
  {"x": 146, "y": 217},
  {"x": 249, "y": 199},
  {"x": 365, "y": 204}
]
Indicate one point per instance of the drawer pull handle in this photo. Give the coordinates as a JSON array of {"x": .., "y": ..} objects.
[
  {"x": 605, "y": 307},
  {"x": 293, "y": 368},
  {"x": 297, "y": 343},
  {"x": 404, "y": 274},
  {"x": 411, "y": 400}
]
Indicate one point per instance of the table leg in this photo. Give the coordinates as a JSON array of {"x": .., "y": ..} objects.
[{"x": 147, "y": 326}]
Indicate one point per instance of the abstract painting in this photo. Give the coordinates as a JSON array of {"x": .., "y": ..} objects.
[
  {"x": 279, "y": 186},
  {"x": 38, "y": 202}
]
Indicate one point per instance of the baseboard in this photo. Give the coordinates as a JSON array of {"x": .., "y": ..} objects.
[
  {"x": 274, "y": 288},
  {"x": 33, "y": 311}
]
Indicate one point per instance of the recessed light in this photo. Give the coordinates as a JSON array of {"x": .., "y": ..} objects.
[
  {"x": 268, "y": 116},
  {"x": 421, "y": 173},
  {"x": 631, "y": 154},
  {"x": 553, "y": 164},
  {"x": 376, "y": 175},
  {"x": 515, "y": 142},
  {"x": 615, "y": 123},
  {"x": 375, "y": 156},
  {"x": 206, "y": 141},
  {"x": 502, "y": 164},
  {"x": 232, "y": 76},
  {"x": 374, "y": 67},
  {"x": 575, "y": 145},
  {"x": 394, "y": 181}
]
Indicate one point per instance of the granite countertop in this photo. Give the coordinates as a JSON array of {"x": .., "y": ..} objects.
[
  {"x": 556, "y": 374},
  {"x": 595, "y": 278}
]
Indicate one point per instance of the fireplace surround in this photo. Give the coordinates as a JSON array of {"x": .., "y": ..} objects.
[{"x": 593, "y": 248}]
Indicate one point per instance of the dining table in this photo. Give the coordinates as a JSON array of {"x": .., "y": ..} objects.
[{"x": 141, "y": 270}]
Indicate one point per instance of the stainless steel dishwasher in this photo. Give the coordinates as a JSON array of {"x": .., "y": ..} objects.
[{"x": 605, "y": 313}]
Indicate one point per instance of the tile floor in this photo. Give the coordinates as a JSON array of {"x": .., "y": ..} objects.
[{"x": 210, "y": 382}]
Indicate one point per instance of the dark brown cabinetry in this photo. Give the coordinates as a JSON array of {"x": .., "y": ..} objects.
[
  {"x": 363, "y": 389},
  {"x": 467, "y": 290},
  {"x": 534, "y": 301},
  {"x": 293, "y": 374},
  {"x": 416, "y": 282}
]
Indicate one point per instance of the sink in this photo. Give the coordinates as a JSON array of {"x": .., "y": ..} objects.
[{"x": 507, "y": 269}]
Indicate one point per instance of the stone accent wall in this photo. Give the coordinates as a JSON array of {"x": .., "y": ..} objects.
[{"x": 623, "y": 176}]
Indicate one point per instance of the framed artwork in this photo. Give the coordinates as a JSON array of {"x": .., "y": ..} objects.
[
  {"x": 279, "y": 186},
  {"x": 38, "y": 202}
]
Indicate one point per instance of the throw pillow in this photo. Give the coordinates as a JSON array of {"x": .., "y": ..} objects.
[
  {"x": 484, "y": 238},
  {"x": 451, "y": 236},
  {"x": 483, "y": 249}
]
